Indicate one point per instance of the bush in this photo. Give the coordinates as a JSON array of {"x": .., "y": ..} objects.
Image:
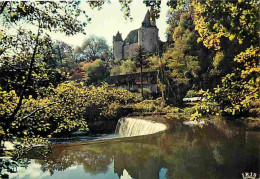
[
  {"x": 147, "y": 93},
  {"x": 191, "y": 93},
  {"x": 189, "y": 111},
  {"x": 156, "y": 106},
  {"x": 60, "y": 110},
  {"x": 239, "y": 91},
  {"x": 149, "y": 106}
]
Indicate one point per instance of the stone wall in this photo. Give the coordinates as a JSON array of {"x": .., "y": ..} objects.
[
  {"x": 118, "y": 49},
  {"x": 130, "y": 50}
]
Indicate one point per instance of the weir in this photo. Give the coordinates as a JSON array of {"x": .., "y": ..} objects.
[{"x": 127, "y": 127}]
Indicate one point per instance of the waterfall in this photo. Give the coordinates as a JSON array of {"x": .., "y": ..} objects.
[{"x": 127, "y": 127}]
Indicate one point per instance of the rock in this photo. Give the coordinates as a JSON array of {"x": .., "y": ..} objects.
[
  {"x": 193, "y": 99},
  {"x": 194, "y": 123}
]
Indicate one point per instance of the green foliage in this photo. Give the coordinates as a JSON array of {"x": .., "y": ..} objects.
[
  {"x": 63, "y": 55},
  {"x": 179, "y": 59},
  {"x": 34, "y": 48},
  {"x": 154, "y": 63},
  {"x": 149, "y": 106},
  {"x": 232, "y": 28},
  {"x": 49, "y": 14},
  {"x": 146, "y": 92},
  {"x": 96, "y": 72},
  {"x": 205, "y": 107},
  {"x": 218, "y": 59},
  {"x": 158, "y": 106},
  {"x": 235, "y": 20},
  {"x": 184, "y": 63},
  {"x": 188, "y": 111},
  {"x": 92, "y": 73},
  {"x": 115, "y": 71},
  {"x": 14, "y": 72},
  {"x": 191, "y": 93},
  {"x": 127, "y": 66},
  {"x": 62, "y": 110},
  {"x": 239, "y": 90},
  {"x": 92, "y": 48},
  {"x": 34, "y": 101},
  {"x": 140, "y": 58},
  {"x": 180, "y": 67},
  {"x": 107, "y": 102}
]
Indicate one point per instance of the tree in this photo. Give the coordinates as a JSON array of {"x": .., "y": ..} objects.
[
  {"x": 127, "y": 66},
  {"x": 180, "y": 65},
  {"x": 140, "y": 59},
  {"x": 232, "y": 26},
  {"x": 33, "y": 48},
  {"x": 64, "y": 54},
  {"x": 107, "y": 55},
  {"x": 94, "y": 47},
  {"x": 96, "y": 72}
]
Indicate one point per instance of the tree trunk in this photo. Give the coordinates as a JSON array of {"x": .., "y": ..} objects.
[
  {"x": 142, "y": 90},
  {"x": 21, "y": 97},
  {"x": 3, "y": 7},
  {"x": 59, "y": 51}
]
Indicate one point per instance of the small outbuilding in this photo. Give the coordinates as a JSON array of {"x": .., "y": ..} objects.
[{"x": 132, "y": 82}]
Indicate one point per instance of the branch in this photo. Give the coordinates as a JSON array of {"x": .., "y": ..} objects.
[
  {"x": 3, "y": 7},
  {"x": 39, "y": 109},
  {"x": 26, "y": 82}
]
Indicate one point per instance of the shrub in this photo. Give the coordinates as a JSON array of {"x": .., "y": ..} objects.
[
  {"x": 60, "y": 110},
  {"x": 156, "y": 106},
  {"x": 238, "y": 92},
  {"x": 191, "y": 93},
  {"x": 149, "y": 106}
]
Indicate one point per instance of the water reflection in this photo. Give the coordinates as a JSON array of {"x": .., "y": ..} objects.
[{"x": 183, "y": 152}]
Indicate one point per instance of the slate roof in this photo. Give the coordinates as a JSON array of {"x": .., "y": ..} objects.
[
  {"x": 146, "y": 22},
  {"x": 135, "y": 78},
  {"x": 132, "y": 37}
]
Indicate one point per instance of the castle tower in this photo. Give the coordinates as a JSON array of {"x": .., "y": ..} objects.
[
  {"x": 148, "y": 34},
  {"x": 118, "y": 46}
]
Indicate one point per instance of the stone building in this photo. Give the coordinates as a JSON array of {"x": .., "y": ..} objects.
[
  {"x": 146, "y": 36},
  {"x": 132, "y": 82}
]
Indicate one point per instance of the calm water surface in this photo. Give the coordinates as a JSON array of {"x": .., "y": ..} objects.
[{"x": 223, "y": 151}]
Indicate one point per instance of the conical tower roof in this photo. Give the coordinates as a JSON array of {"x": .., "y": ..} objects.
[
  {"x": 118, "y": 37},
  {"x": 146, "y": 22}
]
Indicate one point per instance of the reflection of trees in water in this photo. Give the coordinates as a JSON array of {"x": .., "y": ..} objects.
[
  {"x": 95, "y": 163},
  {"x": 140, "y": 159},
  {"x": 96, "y": 158},
  {"x": 17, "y": 160},
  {"x": 62, "y": 158},
  {"x": 206, "y": 152},
  {"x": 8, "y": 166}
]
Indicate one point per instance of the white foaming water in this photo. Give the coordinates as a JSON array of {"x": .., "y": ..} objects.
[{"x": 127, "y": 127}]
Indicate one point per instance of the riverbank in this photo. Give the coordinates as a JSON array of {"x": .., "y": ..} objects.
[{"x": 249, "y": 123}]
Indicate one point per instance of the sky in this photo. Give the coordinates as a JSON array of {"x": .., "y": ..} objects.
[{"x": 107, "y": 21}]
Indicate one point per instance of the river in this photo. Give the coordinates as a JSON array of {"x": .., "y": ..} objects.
[{"x": 221, "y": 151}]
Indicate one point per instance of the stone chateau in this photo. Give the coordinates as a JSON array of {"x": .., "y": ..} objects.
[{"x": 146, "y": 36}]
